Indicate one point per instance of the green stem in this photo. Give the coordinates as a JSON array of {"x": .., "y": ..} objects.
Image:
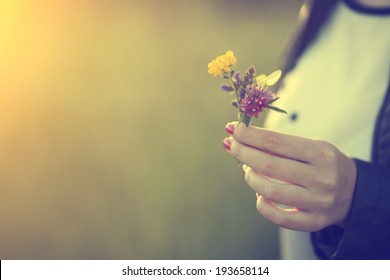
[{"x": 235, "y": 88}]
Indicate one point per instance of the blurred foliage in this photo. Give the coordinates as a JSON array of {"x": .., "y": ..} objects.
[{"x": 111, "y": 129}]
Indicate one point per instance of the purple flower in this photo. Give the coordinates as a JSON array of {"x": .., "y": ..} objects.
[
  {"x": 242, "y": 93},
  {"x": 251, "y": 71},
  {"x": 255, "y": 91},
  {"x": 252, "y": 106},
  {"x": 238, "y": 79},
  {"x": 227, "y": 88}
]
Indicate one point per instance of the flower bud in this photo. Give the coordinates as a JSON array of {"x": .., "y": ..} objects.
[
  {"x": 227, "y": 88},
  {"x": 251, "y": 71},
  {"x": 235, "y": 103}
]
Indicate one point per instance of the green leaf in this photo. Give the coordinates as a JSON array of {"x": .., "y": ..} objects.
[
  {"x": 247, "y": 120},
  {"x": 243, "y": 118},
  {"x": 273, "y": 100},
  {"x": 277, "y": 109}
]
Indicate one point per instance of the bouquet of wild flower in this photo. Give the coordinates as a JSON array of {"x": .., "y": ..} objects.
[{"x": 252, "y": 93}]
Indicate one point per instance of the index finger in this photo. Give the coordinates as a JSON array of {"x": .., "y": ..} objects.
[{"x": 281, "y": 144}]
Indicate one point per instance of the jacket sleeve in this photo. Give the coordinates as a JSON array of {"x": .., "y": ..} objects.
[{"x": 367, "y": 231}]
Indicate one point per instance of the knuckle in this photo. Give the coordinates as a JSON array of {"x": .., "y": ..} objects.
[
  {"x": 326, "y": 202},
  {"x": 236, "y": 150},
  {"x": 271, "y": 192},
  {"x": 327, "y": 152},
  {"x": 240, "y": 132},
  {"x": 331, "y": 183},
  {"x": 326, "y": 179},
  {"x": 261, "y": 186},
  {"x": 322, "y": 144},
  {"x": 294, "y": 200},
  {"x": 278, "y": 218},
  {"x": 272, "y": 141},
  {"x": 282, "y": 220},
  {"x": 327, "y": 182},
  {"x": 269, "y": 166}
]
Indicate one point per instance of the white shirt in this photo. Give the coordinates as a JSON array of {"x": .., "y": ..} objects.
[{"x": 335, "y": 92}]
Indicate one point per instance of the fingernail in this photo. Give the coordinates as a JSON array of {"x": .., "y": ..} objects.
[
  {"x": 227, "y": 143},
  {"x": 229, "y": 128},
  {"x": 244, "y": 167}
]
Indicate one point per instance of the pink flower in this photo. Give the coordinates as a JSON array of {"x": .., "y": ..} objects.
[{"x": 252, "y": 106}]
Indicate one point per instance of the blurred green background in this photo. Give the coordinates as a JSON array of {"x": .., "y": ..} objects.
[{"x": 111, "y": 129}]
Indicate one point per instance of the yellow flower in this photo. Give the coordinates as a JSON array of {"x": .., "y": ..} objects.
[
  {"x": 231, "y": 58},
  {"x": 214, "y": 68},
  {"x": 222, "y": 64}
]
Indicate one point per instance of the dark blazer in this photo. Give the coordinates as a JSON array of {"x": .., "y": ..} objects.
[{"x": 367, "y": 231}]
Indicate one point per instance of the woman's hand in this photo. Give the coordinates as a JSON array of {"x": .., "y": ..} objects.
[{"x": 317, "y": 180}]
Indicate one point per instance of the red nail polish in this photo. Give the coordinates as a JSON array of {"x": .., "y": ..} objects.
[
  {"x": 226, "y": 143},
  {"x": 229, "y": 129}
]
